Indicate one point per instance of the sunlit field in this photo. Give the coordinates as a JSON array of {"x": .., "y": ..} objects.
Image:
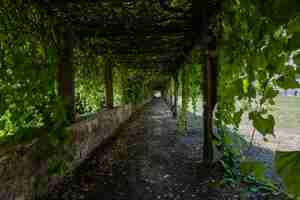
[{"x": 286, "y": 112}]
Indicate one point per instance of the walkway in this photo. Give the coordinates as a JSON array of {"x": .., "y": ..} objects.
[{"x": 147, "y": 161}]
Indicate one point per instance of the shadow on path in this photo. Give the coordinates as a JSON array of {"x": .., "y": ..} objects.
[{"x": 147, "y": 161}]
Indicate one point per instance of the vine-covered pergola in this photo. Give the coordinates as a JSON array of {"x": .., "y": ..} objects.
[
  {"x": 66, "y": 66},
  {"x": 144, "y": 34}
]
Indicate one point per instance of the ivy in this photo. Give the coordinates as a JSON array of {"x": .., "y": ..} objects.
[
  {"x": 287, "y": 166},
  {"x": 254, "y": 61}
]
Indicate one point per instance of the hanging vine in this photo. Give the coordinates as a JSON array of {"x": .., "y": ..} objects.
[
  {"x": 184, "y": 82},
  {"x": 27, "y": 71},
  {"x": 89, "y": 82},
  {"x": 254, "y": 59}
]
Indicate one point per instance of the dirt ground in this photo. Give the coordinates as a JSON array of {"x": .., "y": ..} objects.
[
  {"x": 263, "y": 149},
  {"x": 148, "y": 160},
  {"x": 287, "y": 127},
  {"x": 287, "y": 134}
]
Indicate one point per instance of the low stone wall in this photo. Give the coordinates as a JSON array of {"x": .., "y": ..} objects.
[{"x": 24, "y": 171}]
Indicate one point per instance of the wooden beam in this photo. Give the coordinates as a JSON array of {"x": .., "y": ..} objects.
[
  {"x": 109, "y": 85},
  {"x": 204, "y": 24},
  {"x": 65, "y": 75},
  {"x": 210, "y": 99},
  {"x": 176, "y": 87}
]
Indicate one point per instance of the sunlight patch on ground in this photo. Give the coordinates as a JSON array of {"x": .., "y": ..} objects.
[{"x": 287, "y": 128}]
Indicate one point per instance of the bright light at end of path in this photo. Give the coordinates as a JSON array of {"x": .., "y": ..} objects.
[{"x": 157, "y": 94}]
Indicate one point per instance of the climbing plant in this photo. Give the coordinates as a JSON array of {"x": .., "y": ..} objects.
[
  {"x": 196, "y": 76},
  {"x": 254, "y": 57},
  {"x": 89, "y": 82},
  {"x": 184, "y": 89},
  {"x": 258, "y": 55},
  {"x": 134, "y": 87},
  {"x": 253, "y": 62},
  {"x": 190, "y": 85},
  {"x": 27, "y": 71}
]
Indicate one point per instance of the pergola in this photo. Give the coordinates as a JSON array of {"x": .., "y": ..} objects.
[{"x": 145, "y": 34}]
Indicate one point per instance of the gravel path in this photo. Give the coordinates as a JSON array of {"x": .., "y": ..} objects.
[
  {"x": 263, "y": 150},
  {"x": 147, "y": 161}
]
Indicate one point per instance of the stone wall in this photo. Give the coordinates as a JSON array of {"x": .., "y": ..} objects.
[{"x": 24, "y": 170}]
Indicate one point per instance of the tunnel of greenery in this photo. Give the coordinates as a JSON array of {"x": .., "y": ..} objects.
[{"x": 61, "y": 61}]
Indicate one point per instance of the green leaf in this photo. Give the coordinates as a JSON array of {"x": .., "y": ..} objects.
[
  {"x": 294, "y": 25},
  {"x": 263, "y": 125},
  {"x": 296, "y": 59},
  {"x": 237, "y": 117},
  {"x": 269, "y": 93},
  {"x": 237, "y": 88},
  {"x": 287, "y": 166},
  {"x": 2, "y": 124},
  {"x": 294, "y": 42},
  {"x": 284, "y": 10},
  {"x": 288, "y": 82},
  {"x": 246, "y": 85},
  {"x": 253, "y": 168},
  {"x": 52, "y": 56},
  {"x": 234, "y": 140}
]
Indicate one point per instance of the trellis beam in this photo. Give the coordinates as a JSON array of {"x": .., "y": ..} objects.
[{"x": 210, "y": 100}]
